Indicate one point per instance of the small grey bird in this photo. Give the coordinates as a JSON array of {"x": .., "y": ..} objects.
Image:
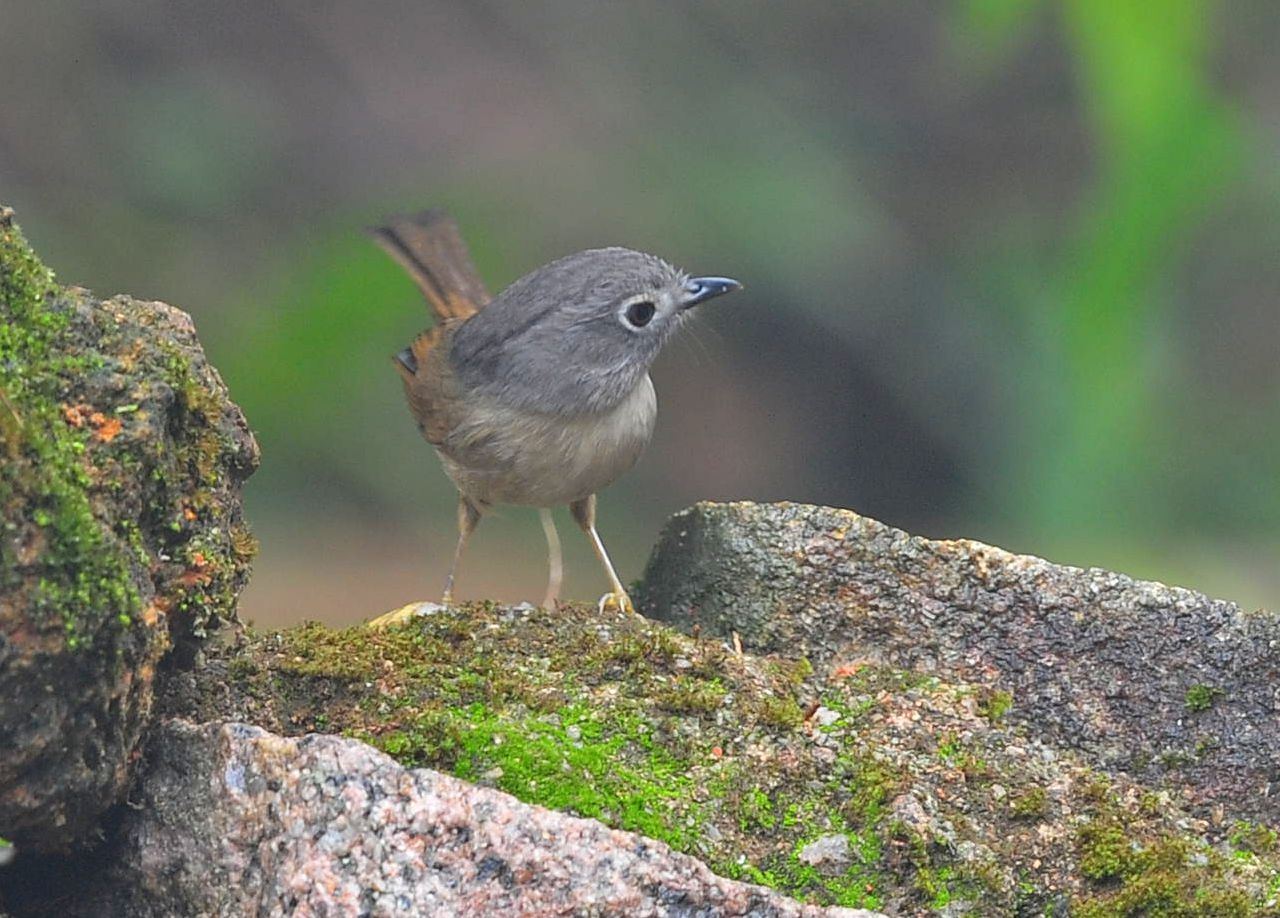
[{"x": 540, "y": 396}]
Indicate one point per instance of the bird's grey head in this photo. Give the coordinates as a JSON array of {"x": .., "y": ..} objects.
[{"x": 578, "y": 335}]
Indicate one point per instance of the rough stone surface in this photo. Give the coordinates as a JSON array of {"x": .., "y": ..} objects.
[
  {"x": 121, "y": 538},
  {"x": 941, "y": 797},
  {"x": 1146, "y": 679},
  {"x": 231, "y": 820},
  {"x": 829, "y": 852}
]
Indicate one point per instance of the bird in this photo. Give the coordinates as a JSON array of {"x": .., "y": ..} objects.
[{"x": 541, "y": 395}]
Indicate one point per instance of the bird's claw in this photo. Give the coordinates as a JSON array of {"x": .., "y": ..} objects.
[
  {"x": 616, "y": 602},
  {"x": 403, "y": 615}
]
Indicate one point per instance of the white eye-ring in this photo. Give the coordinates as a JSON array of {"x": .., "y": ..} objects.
[{"x": 639, "y": 313}]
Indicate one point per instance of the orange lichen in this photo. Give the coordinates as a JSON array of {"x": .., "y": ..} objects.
[
  {"x": 847, "y": 670},
  {"x": 73, "y": 415},
  {"x": 109, "y": 429},
  {"x": 155, "y": 611}
]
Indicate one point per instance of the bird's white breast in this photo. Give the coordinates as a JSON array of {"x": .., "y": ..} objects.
[{"x": 502, "y": 455}]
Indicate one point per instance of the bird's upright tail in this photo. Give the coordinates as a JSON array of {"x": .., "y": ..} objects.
[{"x": 429, "y": 246}]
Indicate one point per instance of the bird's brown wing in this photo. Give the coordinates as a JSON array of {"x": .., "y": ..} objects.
[
  {"x": 429, "y": 246},
  {"x": 439, "y": 404},
  {"x": 429, "y": 384}
]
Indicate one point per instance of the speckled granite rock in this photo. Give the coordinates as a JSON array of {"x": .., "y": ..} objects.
[
  {"x": 121, "y": 537},
  {"x": 231, "y": 820},
  {"x": 1155, "y": 681}
]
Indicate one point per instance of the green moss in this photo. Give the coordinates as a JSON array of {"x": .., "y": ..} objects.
[
  {"x": 617, "y": 726},
  {"x": 633, "y": 728},
  {"x": 623, "y": 720},
  {"x": 201, "y": 457},
  {"x": 848, "y": 799},
  {"x": 1162, "y": 876},
  {"x": 24, "y": 281},
  {"x": 241, "y": 669},
  {"x": 793, "y": 672},
  {"x": 1253, "y": 837},
  {"x": 993, "y": 704},
  {"x": 756, "y": 811},
  {"x": 1105, "y": 850},
  {"x": 1032, "y": 803},
  {"x": 954, "y": 752},
  {"x": 470, "y": 712},
  {"x": 780, "y": 713},
  {"x": 244, "y": 544},
  {"x": 576, "y": 762},
  {"x": 690, "y": 695},
  {"x": 947, "y": 887},
  {"x": 949, "y": 749},
  {"x": 639, "y": 653},
  {"x": 85, "y": 580},
  {"x": 1202, "y": 697},
  {"x": 1176, "y": 758},
  {"x": 1205, "y": 745},
  {"x": 859, "y": 885}
]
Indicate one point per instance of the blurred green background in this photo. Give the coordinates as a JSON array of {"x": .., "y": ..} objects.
[{"x": 1011, "y": 266}]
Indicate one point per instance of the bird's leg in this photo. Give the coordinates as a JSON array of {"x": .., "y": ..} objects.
[
  {"x": 584, "y": 512},
  {"x": 468, "y": 519},
  {"x": 554, "y": 560}
]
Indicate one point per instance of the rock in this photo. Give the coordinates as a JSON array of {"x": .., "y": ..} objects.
[
  {"x": 231, "y": 820},
  {"x": 913, "y": 819},
  {"x": 1150, "y": 680},
  {"x": 121, "y": 535},
  {"x": 720, "y": 761},
  {"x": 825, "y": 717},
  {"x": 830, "y": 853}
]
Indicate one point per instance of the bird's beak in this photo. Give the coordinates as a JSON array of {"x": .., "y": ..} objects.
[{"x": 700, "y": 289}]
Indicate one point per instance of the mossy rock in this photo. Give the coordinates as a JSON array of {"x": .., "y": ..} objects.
[
  {"x": 948, "y": 804},
  {"x": 1155, "y": 682},
  {"x": 122, "y": 542}
]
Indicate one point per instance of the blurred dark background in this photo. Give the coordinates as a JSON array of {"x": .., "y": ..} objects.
[{"x": 1011, "y": 265}]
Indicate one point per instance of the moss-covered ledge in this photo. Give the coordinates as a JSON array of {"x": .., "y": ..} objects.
[{"x": 872, "y": 787}]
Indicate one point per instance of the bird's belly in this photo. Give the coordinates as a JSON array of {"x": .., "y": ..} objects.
[{"x": 500, "y": 455}]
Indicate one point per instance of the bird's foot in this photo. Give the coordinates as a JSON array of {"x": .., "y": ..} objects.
[
  {"x": 617, "y": 601},
  {"x": 403, "y": 615}
]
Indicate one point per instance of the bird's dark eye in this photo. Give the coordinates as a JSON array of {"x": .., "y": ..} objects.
[{"x": 639, "y": 314}]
